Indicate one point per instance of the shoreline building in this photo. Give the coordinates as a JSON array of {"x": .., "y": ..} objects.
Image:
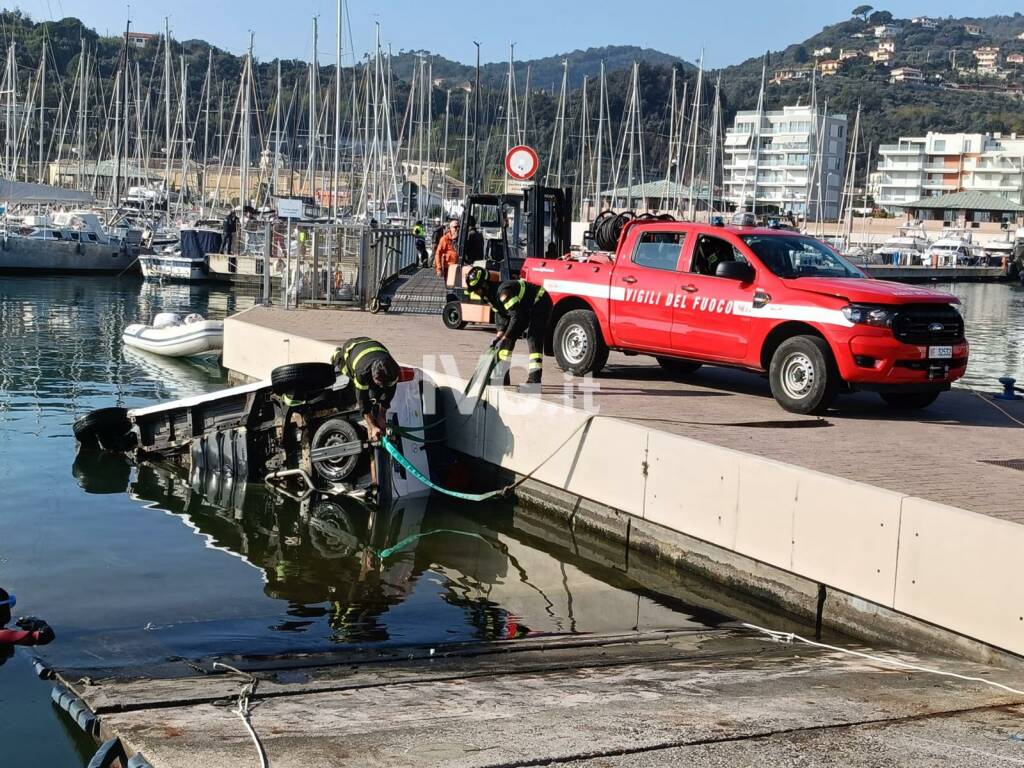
[
  {"x": 797, "y": 157},
  {"x": 941, "y": 163}
]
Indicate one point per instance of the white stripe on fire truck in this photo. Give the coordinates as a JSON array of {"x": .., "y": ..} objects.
[{"x": 799, "y": 312}]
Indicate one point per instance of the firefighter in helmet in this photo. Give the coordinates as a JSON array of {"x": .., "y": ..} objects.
[{"x": 521, "y": 308}]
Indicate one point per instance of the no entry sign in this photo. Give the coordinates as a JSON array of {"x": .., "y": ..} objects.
[{"x": 521, "y": 162}]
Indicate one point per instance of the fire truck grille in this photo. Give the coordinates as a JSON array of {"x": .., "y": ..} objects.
[{"x": 928, "y": 325}]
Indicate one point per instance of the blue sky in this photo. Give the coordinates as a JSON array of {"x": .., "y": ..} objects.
[{"x": 538, "y": 27}]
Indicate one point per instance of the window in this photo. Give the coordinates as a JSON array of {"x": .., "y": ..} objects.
[
  {"x": 939, "y": 146},
  {"x": 967, "y": 145},
  {"x": 659, "y": 250},
  {"x": 710, "y": 252},
  {"x": 793, "y": 257}
]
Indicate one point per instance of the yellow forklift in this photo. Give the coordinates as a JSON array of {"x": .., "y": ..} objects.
[{"x": 498, "y": 232}]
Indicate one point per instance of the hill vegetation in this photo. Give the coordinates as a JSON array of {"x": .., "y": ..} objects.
[{"x": 953, "y": 94}]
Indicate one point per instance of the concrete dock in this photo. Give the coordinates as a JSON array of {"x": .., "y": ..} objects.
[{"x": 721, "y": 698}]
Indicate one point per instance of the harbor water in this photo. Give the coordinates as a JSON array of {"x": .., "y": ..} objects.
[{"x": 136, "y": 570}]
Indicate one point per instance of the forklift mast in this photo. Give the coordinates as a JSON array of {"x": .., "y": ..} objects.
[{"x": 549, "y": 221}]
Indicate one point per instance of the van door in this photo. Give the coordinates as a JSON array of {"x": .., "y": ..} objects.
[
  {"x": 708, "y": 323},
  {"x": 642, "y": 289}
]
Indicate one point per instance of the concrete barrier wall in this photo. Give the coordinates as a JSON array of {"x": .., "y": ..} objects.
[
  {"x": 953, "y": 568},
  {"x": 255, "y": 351}
]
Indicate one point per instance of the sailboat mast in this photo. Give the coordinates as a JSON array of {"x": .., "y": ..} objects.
[
  {"x": 337, "y": 114},
  {"x": 167, "y": 115},
  {"x": 42, "y": 103},
  {"x": 184, "y": 131},
  {"x": 206, "y": 124},
  {"x": 600, "y": 140},
  {"x": 311, "y": 143}
]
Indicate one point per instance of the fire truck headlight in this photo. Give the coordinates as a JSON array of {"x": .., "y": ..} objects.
[{"x": 865, "y": 314}]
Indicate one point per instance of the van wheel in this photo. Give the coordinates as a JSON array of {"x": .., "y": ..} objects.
[
  {"x": 579, "y": 345},
  {"x": 452, "y": 316},
  {"x": 803, "y": 375},
  {"x": 106, "y": 428},
  {"x": 676, "y": 367},
  {"x": 909, "y": 401},
  {"x": 302, "y": 378}
]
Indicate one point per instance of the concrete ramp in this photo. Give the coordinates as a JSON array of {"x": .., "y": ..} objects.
[{"x": 660, "y": 699}]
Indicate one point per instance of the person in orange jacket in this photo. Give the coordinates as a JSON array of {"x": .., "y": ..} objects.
[{"x": 447, "y": 250}]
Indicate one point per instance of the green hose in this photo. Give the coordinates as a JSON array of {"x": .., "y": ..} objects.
[
  {"x": 408, "y": 466},
  {"x": 384, "y": 554}
]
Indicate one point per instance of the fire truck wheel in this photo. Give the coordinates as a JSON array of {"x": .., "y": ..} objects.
[
  {"x": 452, "y": 316},
  {"x": 579, "y": 345},
  {"x": 676, "y": 367},
  {"x": 302, "y": 378},
  {"x": 803, "y": 375}
]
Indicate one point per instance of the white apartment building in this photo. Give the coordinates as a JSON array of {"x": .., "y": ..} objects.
[
  {"x": 906, "y": 75},
  {"x": 988, "y": 60},
  {"x": 793, "y": 162},
  {"x": 940, "y": 163}
]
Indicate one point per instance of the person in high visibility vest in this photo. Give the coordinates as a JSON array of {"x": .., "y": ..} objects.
[
  {"x": 520, "y": 308},
  {"x": 373, "y": 374},
  {"x": 420, "y": 234}
]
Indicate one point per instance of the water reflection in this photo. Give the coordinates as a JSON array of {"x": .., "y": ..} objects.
[
  {"x": 419, "y": 573},
  {"x": 994, "y": 319}
]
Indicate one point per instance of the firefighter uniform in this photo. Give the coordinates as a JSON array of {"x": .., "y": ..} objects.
[{"x": 355, "y": 359}]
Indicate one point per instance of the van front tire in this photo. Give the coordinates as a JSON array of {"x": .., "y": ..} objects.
[{"x": 803, "y": 375}]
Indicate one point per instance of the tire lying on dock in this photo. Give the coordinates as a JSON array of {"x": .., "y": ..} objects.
[
  {"x": 302, "y": 380},
  {"x": 106, "y": 428}
]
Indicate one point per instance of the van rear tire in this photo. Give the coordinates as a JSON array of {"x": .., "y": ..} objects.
[{"x": 578, "y": 344}]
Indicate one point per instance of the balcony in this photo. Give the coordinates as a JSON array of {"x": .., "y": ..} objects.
[{"x": 901, "y": 149}]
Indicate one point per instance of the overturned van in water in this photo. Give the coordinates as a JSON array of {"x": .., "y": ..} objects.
[{"x": 300, "y": 432}]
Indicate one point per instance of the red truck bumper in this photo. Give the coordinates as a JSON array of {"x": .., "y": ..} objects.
[{"x": 882, "y": 362}]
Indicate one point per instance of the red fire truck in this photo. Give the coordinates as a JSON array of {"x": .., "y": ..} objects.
[{"x": 768, "y": 300}]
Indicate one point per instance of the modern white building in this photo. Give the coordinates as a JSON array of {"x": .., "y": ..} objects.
[
  {"x": 906, "y": 75},
  {"x": 940, "y": 163},
  {"x": 792, "y": 162}
]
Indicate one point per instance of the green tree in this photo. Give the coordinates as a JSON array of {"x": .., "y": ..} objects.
[{"x": 862, "y": 11}]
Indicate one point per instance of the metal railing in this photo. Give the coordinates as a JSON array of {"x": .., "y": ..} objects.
[{"x": 345, "y": 264}]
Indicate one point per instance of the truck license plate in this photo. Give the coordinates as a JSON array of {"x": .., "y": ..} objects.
[{"x": 940, "y": 353}]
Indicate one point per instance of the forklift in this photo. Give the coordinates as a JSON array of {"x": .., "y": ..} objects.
[{"x": 507, "y": 229}]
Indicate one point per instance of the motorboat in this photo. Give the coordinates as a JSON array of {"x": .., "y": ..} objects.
[
  {"x": 173, "y": 336},
  {"x": 67, "y": 241},
  {"x": 907, "y": 247},
  {"x": 952, "y": 250},
  {"x": 188, "y": 263},
  {"x": 172, "y": 264}
]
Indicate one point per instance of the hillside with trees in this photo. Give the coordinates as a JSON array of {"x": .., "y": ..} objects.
[{"x": 951, "y": 96}]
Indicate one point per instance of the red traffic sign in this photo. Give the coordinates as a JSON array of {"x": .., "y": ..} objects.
[{"x": 521, "y": 162}]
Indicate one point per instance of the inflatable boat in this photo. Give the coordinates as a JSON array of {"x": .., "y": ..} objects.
[{"x": 172, "y": 336}]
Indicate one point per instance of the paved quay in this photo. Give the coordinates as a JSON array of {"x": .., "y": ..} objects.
[{"x": 940, "y": 454}]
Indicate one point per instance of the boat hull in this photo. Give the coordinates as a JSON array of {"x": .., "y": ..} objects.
[
  {"x": 157, "y": 267},
  {"x": 26, "y": 254},
  {"x": 189, "y": 340}
]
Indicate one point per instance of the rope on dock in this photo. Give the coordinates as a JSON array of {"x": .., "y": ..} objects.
[
  {"x": 243, "y": 709},
  {"x": 788, "y": 637},
  {"x": 998, "y": 407}
]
